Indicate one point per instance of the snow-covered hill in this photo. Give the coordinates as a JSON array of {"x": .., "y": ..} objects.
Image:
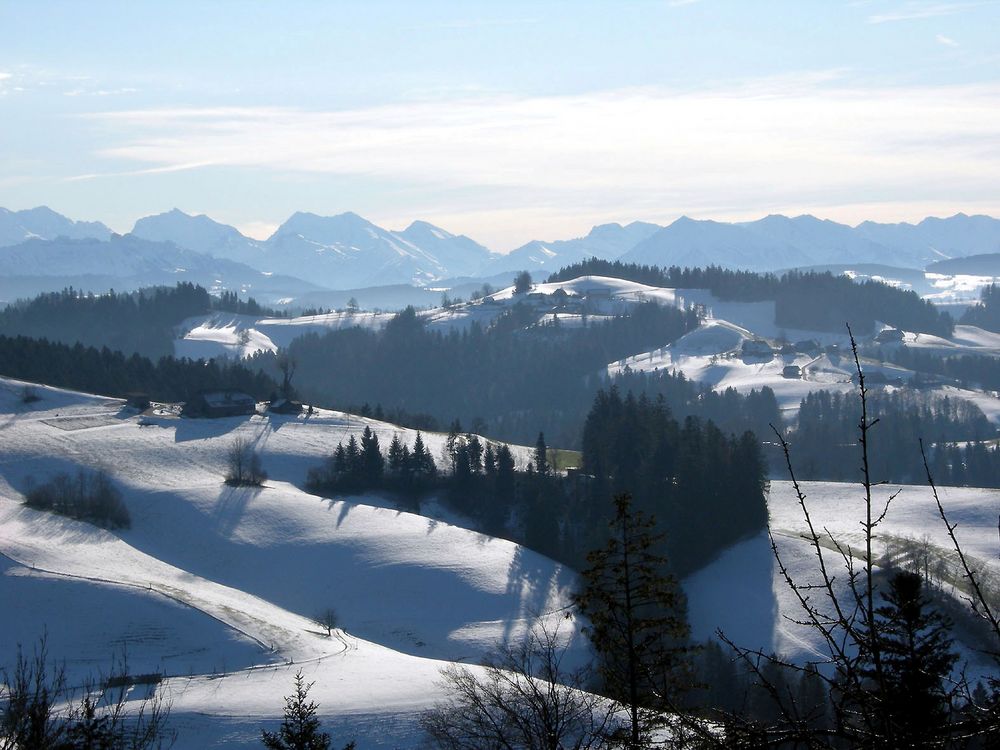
[
  {"x": 218, "y": 587},
  {"x": 222, "y": 583},
  {"x": 743, "y": 593},
  {"x": 226, "y": 334}
]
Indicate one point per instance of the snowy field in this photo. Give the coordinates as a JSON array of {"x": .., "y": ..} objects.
[
  {"x": 218, "y": 587},
  {"x": 743, "y": 593}
]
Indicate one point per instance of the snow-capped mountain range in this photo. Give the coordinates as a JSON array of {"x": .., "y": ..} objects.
[{"x": 346, "y": 251}]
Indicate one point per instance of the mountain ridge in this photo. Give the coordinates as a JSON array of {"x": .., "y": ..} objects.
[{"x": 347, "y": 251}]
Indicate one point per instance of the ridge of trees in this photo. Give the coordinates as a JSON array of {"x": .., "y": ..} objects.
[
  {"x": 109, "y": 373},
  {"x": 510, "y": 380},
  {"x": 140, "y": 322},
  {"x": 825, "y": 438},
  {"x": 803, "y": 299},
  {"x": 968, "y": 370},
  {"x": 690, "y": 474},
  {"x": 985, "y": 314}
]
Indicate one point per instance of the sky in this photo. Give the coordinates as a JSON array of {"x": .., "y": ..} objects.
[{"x": 506, "y": 121}]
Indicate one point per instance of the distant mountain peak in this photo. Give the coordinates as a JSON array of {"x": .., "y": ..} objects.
[{"x": 44, "y": 223}]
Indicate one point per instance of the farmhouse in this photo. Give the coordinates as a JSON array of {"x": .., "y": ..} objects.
[
  {"x": 756, "y": 348},
  {"x": 220, "y": 404}
]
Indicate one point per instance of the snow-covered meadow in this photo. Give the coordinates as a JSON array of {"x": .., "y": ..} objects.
[{"x": 218, "y": 588}]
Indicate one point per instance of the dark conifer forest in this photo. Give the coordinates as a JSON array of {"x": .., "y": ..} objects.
[
  {"x": 141, "y": 322},
  {"x": 825, "y": 438},
  {"x": 111, "y": 373},
  {"x": 506, "y": 381},
  {"x": 705, "y": 485}
]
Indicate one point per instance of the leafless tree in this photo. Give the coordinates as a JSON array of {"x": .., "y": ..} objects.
[
  {"x": 839, "y": 605},
  {"x": 38, "y": 709},
  {"x": 522, "y": 699},
  {"x": 328, "y": 619},
  {"x": 243, "y": 465}
]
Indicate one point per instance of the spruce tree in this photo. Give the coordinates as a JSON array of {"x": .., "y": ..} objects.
[
  {"x": 917, "y": 658},
  {"x": 541, "y": 455},
  {"x": 395, "y": 456},
  {"x": 638, "y": 624},
  {"x": 475, "y": 453},
  {"x": 340, "y": 466},
  {"x": 300, "y": 729},
  {"x": 489, "y": 461},
  {"x": 372, "y": 462},
  {"x": 422, "y": 462},
  {"x": 506, "y": 478}
]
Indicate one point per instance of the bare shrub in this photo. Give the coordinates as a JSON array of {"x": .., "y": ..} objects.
[
  {"x": 89, "y": 496},
  {"x": 243, "y": 465}
]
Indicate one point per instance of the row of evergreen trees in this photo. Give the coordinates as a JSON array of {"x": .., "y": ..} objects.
[
  {"x": 140, "y": 322},
  {"x": 803, "y": 299},
  {"x": 705, "y": 486},
  {"x": 975, "y": 464},
  {"x": 361, "y": 466},
  {"x": 114, "y": 374},
  {"x": 968, "y": 370},
  {"x": 136, "y": 322},
  {"x": 825, "y": 440}
]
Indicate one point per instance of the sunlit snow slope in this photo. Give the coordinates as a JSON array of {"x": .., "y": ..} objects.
[{"x": 222, "y": 583}]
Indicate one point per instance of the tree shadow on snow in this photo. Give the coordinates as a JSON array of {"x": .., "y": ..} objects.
[
  {"x": 231, "y": 507},
  {"x": 530, "y": 577},
  {"x": 197, "y": 428}
]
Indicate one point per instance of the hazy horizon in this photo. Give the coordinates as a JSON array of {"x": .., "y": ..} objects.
[{"x": 505, "y": 123}]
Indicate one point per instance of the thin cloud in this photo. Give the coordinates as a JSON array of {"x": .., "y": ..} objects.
[
  {"x": 476, "y": 23},
  {"x": 919, "y": 10},
  {"x": 947, "y": 41},
  {"x": 139, "y": 172},
  {"x": 775, "y": 144}
]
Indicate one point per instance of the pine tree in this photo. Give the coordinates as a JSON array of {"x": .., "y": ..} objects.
[
  {"x": 340, "y": 461},
  {"x": 372, "y": 462},
  {"x": 541, "y": 455},
  {"x": 916, "y": 659},
  {"x": 300, "y": 729},
  {"x": 506, "y": 478},
  {"x": 352, "y": 455},
  {"x": 475, "y": 453},
  {"x": 396, "y": 458},
  {"x": 422, "y": 462},
  {"x": 638, "y": 623}
]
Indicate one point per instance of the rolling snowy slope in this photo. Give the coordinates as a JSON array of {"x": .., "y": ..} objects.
[
  {"x": 743, "y": 593},
  {"x": 247, "y": 569}
]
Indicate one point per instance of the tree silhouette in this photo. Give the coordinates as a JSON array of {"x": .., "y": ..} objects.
[
  {"x": 637, "y": 622},
  {"x": 300, "y": 729}
]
